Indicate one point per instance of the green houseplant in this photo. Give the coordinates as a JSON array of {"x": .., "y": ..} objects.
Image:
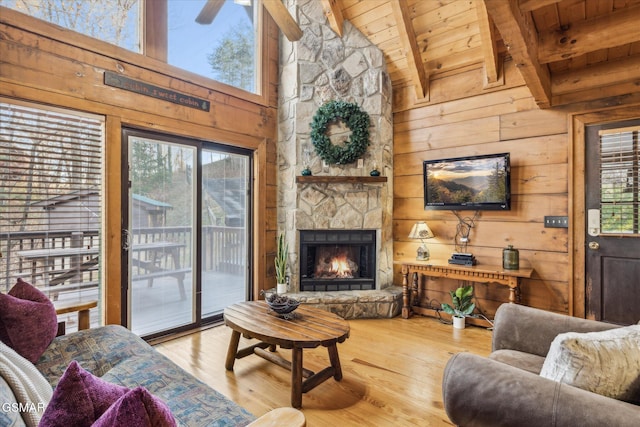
[
  {"x": 462, "y": 305},
  {"x": 282, "y": 252}
]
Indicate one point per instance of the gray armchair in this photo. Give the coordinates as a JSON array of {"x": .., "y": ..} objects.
[{"x": 505, "y": 388}]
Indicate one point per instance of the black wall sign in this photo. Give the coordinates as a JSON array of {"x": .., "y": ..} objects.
[{"x": 122, "y": 82}]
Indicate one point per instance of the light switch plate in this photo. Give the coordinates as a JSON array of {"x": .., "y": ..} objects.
[{"x": 556, "y": 222}]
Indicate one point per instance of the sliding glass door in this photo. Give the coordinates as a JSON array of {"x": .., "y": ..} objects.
[
  {"x": 186, "y": 242},
  {"x": 224, "y": 245}
]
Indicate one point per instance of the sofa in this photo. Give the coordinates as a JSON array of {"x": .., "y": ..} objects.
[
  {"x": 105, "y": 376},
  {"x": 507, "y": 388},
  {"x": 118, "y": 356}
]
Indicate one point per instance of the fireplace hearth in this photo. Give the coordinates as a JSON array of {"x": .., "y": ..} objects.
[{"x": 337, "y": 260}]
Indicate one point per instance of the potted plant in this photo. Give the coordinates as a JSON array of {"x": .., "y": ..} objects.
[
  {"x": 462, "y": 305},
  {"x": 282, "y": 252}
]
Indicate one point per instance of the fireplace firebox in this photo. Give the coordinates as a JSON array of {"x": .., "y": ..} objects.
[{"x": 337, "y": 260}]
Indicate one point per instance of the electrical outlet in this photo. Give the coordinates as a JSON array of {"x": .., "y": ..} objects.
[
  {"x": 556, "y": 222},
  {"x": 360, "y": 163}
]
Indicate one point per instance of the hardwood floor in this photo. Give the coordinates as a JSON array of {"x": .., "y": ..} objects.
[{"x": 392, "y": 372}]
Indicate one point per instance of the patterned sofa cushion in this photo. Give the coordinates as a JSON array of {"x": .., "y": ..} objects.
[{"x": 120, "y": 357}]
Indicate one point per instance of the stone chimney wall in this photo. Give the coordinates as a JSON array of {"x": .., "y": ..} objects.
[{"x": 318, "y": 68}]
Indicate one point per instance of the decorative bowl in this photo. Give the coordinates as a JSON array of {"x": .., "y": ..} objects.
[{"x": 282, "y": 304}]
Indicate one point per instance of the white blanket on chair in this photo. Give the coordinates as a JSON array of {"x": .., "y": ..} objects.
[{"x": 31, "y": 389}]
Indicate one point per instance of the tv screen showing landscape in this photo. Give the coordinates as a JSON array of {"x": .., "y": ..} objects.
[{"x": 474, "y": 183}]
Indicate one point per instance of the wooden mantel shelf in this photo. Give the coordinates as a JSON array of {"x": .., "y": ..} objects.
[{"x": 339, "y": 179}]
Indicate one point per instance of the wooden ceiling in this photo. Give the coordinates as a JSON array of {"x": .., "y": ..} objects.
[{"x": 566, "y": 50}]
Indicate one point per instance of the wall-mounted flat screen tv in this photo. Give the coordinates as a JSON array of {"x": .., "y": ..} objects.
[{"x": 468, "y": 183}]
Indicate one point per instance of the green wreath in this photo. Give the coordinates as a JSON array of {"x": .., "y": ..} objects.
[{"x": 355, "y": 119}]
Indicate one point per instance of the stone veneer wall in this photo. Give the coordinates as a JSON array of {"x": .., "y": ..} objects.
[{"x": 318, "y": 68}]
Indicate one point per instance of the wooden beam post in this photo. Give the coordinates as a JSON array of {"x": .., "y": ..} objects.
[
  {"x": 410, "y": 44},
  {"x": 521, "y": 38},
  {"x": 334, "y": 14}
]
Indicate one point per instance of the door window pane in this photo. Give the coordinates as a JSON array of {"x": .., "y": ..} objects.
[
  {"x": 162, "y": 207},
  {"x": 222, "y": 47},
  {"x": 224, "y": 230},
  {"x": 619, "y": 181}
]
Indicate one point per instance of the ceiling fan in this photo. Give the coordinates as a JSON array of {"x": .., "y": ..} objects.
[{"x": 276, "y": 9}]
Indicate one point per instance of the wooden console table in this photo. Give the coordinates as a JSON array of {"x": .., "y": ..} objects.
[{"x": 441, "y": 268}]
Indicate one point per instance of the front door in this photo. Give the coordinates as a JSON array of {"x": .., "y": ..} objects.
[{"x": 613, "y": 223}]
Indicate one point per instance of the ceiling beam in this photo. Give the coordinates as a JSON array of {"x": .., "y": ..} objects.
[
  {"x": 334, "y": 14},
  {"x": 531, "y": 5},
  {"x": 409, "y": 42},
  {"x": 597, "y": 76},
  {"x": 519, "y": 35},
  {"x": 283, "y": 18},
  {"x": 616, "y": 29},
  {"x": 489, "y": 38},
  {"x": 209, "y": 11}
]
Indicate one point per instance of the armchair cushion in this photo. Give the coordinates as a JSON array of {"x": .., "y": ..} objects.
[
  {"x": 528, "y": 362},
  {"x": 606, "y": 362}
]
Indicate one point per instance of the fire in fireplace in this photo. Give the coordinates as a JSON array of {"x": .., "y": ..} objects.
[{"x": 336, "y": 260}]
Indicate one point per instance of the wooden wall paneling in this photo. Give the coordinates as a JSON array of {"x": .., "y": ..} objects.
[
  {"x": 454, "y": 63},
  {"x": 538, "y": 143},
  {"x": 618, "y": 94},
  {"x": 546, "y": 149},
  {"x": 491, "y": 234},
  {"x": 531, "y": 123},
  {"x": 480, "y": 105},
  {"x": 465, "y": 84},
  {"x": 539, "y": 179},
  {"x": 470, "y": 132},
  {"x": 525, "y": 208}
]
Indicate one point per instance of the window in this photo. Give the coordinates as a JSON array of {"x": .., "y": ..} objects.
[
  {"x": 51, "y": 201},
  {"x": 620, "y": 180},
  {"x": 221, "y": 45},
  {"x": 115, "y": 22},
  {"x": 217, "y": 39}
]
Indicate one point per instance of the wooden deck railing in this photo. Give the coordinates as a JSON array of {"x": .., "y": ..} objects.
[{"x": 224, "y": 250}]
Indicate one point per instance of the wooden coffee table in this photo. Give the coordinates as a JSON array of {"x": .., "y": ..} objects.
[{"x": 310, "y": 328}]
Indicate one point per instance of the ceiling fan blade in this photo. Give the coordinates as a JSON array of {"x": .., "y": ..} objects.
[
  {"x": 283, "y": 19},
  {"x": 209, "y": 11}
]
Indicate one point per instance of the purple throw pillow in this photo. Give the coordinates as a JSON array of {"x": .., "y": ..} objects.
[
  {"x": 80, "y": 398},
  {"x": 28, "y": 320},
  {"x": 137, "y": 408}
]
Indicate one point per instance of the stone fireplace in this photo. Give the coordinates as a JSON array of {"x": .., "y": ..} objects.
[
  {"x": 337, "y": 260},
  {"x": 318, "y": 68}
]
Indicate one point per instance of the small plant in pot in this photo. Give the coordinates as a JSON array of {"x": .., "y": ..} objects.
[
  {"x": 282, "y": 252},
  {"x": 461, "y": 307}
]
